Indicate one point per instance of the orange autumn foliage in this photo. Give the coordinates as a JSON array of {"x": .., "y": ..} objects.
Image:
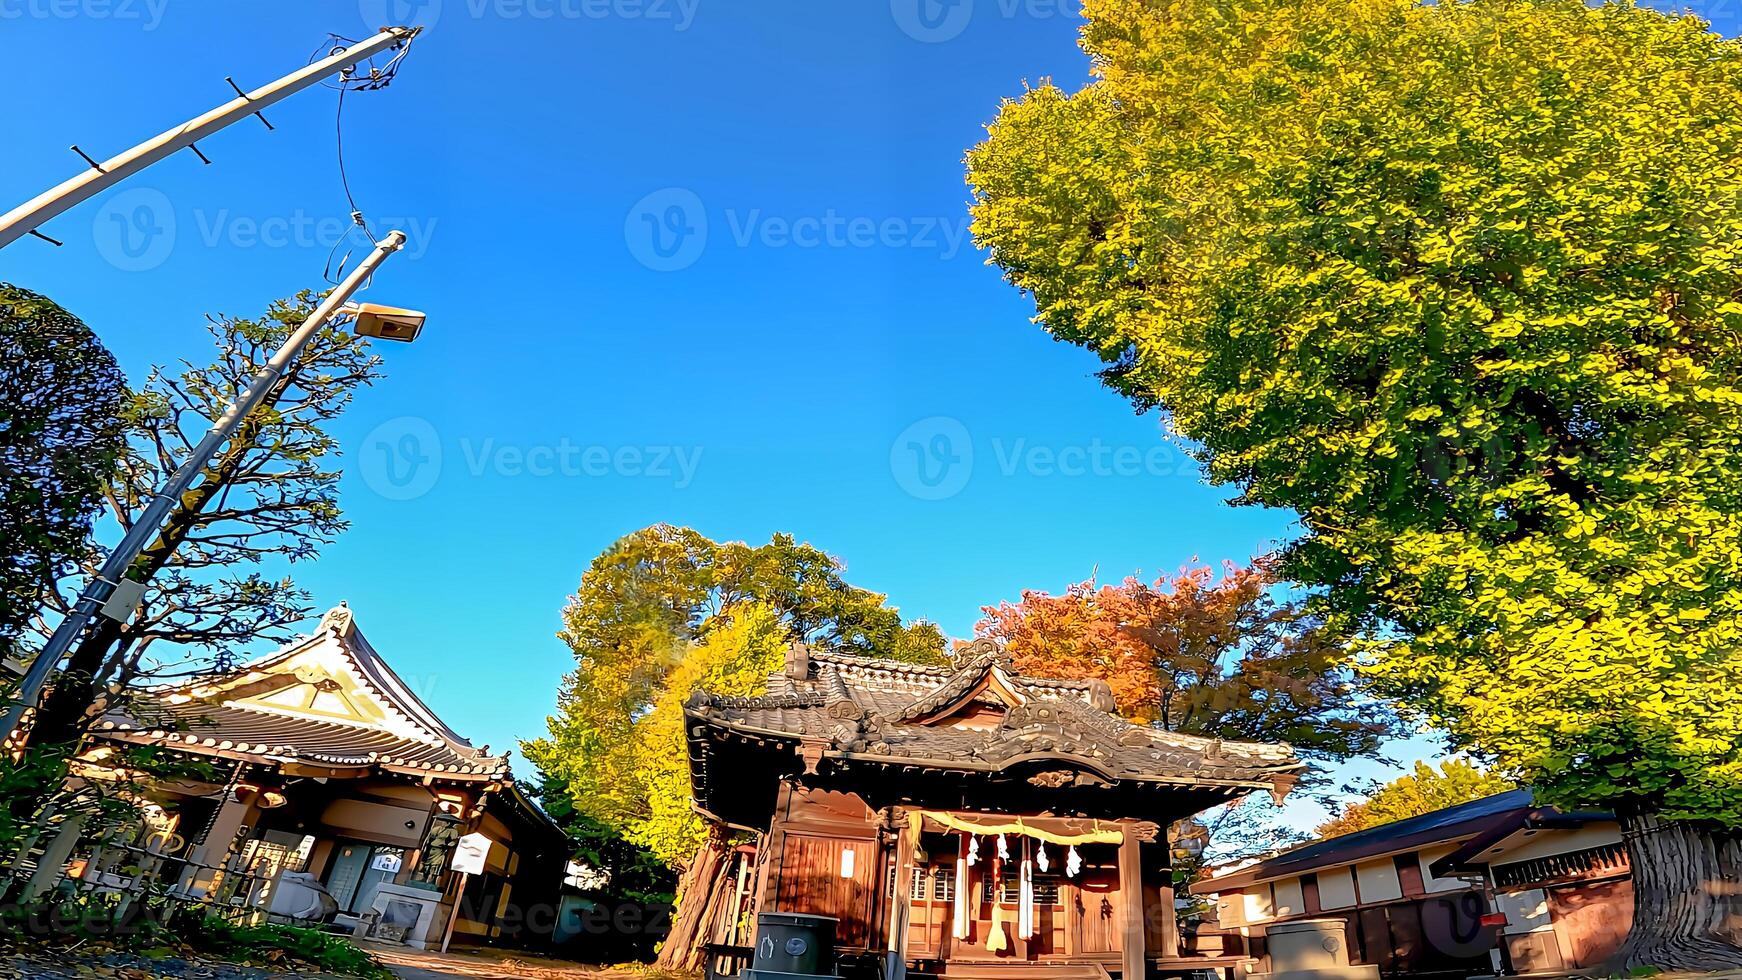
[{"x": 1220, "y": 656}]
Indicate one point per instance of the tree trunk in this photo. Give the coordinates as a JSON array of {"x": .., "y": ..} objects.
[
  {"x": 682, "y": 949},
  {"x": 1687, "y": 913}
]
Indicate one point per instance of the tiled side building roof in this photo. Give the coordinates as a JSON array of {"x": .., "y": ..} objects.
[{"x": 1447, "y": 824}]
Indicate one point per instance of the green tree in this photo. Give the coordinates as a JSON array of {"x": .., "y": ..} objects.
[
  {"x": 1424, "y": 790},
  {"x": 60, "y": 435},
  {"x": 663, "y": 611},
  {"x": 1458, "y": 283}
]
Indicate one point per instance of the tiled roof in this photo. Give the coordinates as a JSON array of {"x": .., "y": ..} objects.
[
  {"x": 205, "y": 716},
  {"x": 1448, "y": 824},
  {"x": 865, "y": 708},
  {"x": 223, "y": 728}
]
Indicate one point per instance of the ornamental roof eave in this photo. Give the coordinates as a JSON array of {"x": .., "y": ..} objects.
[
  {"x": 270, "y": 754},
  {"x": 1276, "y": 777},
  {"x": 863, "y": 710}
]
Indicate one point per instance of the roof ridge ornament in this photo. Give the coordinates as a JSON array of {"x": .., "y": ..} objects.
[
  {"x": 984, "y": 648},
  {"x": 798, "y": 661},
  {"x": 339, "y": 619}
]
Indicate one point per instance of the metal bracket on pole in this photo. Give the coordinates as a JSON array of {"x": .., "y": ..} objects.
[
  {"x": 124, "y": 600},
  {"x": 244, "y": 95},
  {"x": 196, "y": 148},
  {"x": 94, "y": 164}
]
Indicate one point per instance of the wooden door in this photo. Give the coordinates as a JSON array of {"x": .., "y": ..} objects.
[
  {"x": 1094, "y": 904},
  {"x": 931, "y": 895},
  {"x": 993, "y": 908},
  {"x": 1376, "y": 937},
  {"x": 1407, "y": 946}
]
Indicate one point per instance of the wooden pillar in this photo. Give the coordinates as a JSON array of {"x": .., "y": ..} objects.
[
  {"x": 1070, "y": 896},
  {"x": 1159, "y": 899},
  {"x": 906, "y": 843},
  {"x": 1132, "y": 949},
  {"x": 774, "y": 842}
]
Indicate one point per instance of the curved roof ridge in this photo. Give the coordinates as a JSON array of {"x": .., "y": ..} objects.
[
  {"x": 388, "y": 684},
  {"x": 405, "y": 708},
  {"x": 822, "y": 655},
  {"x": 1184, "y": 740},
  {"x": 967, "y": 676}
]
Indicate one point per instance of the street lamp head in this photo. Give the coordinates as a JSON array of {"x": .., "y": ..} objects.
[{"x": 386, "y": 322}]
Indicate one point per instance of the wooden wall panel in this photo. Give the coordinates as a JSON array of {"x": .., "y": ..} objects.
[{"x": 811, "y": 882}]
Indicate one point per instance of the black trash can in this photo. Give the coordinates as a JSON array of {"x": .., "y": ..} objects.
[{"x": 790, "y": 942}]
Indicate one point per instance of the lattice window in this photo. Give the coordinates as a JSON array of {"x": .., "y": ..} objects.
[
  {"x": 940, "y": 888},
  {"x": 1046, "y": 890},
  {"x": 1607, "y": 858}
]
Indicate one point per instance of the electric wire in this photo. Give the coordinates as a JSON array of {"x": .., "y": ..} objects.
[{"x": 375, "y": 78}]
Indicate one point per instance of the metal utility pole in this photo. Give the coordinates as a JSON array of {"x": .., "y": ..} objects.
[
  {"x": 102, "y": 586},
  {"x": 27, "y": 217}
]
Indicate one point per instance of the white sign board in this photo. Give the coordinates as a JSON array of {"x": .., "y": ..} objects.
[{"x": 469, "y": 854}]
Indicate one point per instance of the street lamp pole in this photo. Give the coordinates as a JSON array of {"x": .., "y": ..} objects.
[
  {"x": 102, "y": 586},
  {"x": 27, "y": 217}
]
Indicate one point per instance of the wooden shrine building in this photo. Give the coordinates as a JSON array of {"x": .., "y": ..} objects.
[{"x": 963, "y": 820}]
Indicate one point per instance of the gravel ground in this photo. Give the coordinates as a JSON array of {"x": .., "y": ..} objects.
[
  {"x": 123, "y": 966},
  {"x": 408, "y": 964}
]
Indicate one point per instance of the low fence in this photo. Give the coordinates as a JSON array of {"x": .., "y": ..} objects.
[{"x": 113, "y": 878}]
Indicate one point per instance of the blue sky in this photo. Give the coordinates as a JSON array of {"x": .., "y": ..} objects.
[{"x": 684, "y": 261}]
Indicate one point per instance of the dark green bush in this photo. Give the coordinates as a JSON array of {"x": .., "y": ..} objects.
[{"x": 274, "y": 944}]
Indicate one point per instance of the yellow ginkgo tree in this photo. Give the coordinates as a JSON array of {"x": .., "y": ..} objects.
[{"x": 1460, "y": 283}]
